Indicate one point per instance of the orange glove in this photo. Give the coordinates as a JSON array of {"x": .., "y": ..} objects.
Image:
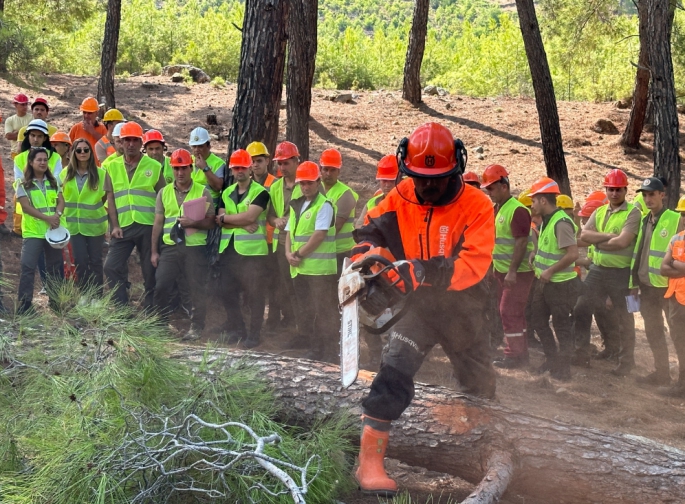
[{"x": 410, "y": 277}]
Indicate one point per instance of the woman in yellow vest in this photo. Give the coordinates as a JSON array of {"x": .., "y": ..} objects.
[
  {"x": 38, "y": 194},
  {"x": 83, "y": 190}
]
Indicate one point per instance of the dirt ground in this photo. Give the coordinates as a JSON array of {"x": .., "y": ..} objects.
[{"x": 507, "y": 130}]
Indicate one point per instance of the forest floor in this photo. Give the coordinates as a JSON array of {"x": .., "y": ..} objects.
[{"x": 507, "y": 130}]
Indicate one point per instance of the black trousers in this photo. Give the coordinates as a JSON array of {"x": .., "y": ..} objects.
[
  {"x": 555, "y": 300},
  {"x": 88, "y": 259},
  {"x": 31, "y": 250},
  {"x": 318, "y": 318}
]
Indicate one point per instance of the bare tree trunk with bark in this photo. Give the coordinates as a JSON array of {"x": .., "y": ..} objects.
[
  {"x": 666, "y": 129},
  {"x": 411, "y": 88},
  {"x": 302, "y": 45},
  {"x": 631, "y": 135},
  {"x": 485, "y": 443},
  {"x": 260, "y": 79},
  {"x": 108, "y": 56},
  {"x": 545, "y": 101}
]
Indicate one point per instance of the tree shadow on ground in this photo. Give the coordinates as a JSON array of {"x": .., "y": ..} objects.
[{"x": 327, "y": 135}]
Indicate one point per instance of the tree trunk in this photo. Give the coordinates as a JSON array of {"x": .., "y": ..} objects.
[
  {"x": 545, "y": 101},
  {"x": 411, "y": 88},
  {"x": 108, "y": 56},
  {"x": 666, "y": 133},
  {"x": 482, "y": 442},
  {"x": 631, "y": 135},
  {"x": 3, "y": 51},
  {"x": 260, "y": 79},
  {"x": 302, "y": 28}
]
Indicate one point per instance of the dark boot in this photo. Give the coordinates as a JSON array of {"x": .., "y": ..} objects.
[
  {"x": 371, "y": 474},
  {"x": 511, "y": 362},
  {"x": 623, "y": 369},
  {"x": 561, "y": 369},
  {"x": 657, "y": 378}
]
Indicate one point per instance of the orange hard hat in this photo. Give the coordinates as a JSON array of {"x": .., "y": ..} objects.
[
  {"x": 181, "y": 157},
  {"x": 545, "y": 185},
  {"x": 308, "y": 171},
  {"x": 331, "y": 158},
  {"x": 494, "y": 173},
  {"x": 240, "y": 158},
  {"x": 597, "y": 196},
  {"x": 90, "y": 104},
  {"x": 616, "y": 178},
  {"x": 60, "y": 136},
  {"x": 131, "y": 129},
  {"x": 472, "y": 177},
  {"x": 286, "y": 150},
  {"x": 387, "y": 168},
  {"x": 431, "y": 151},
  {"x": 589, "y": 207},
  {"x": 153, "y": 136}
]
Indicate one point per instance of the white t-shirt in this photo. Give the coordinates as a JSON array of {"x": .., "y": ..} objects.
[{"x": 323, "y": 218}]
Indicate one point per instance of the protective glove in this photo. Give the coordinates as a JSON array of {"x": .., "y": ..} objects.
[{"x": 411, "y": 275}]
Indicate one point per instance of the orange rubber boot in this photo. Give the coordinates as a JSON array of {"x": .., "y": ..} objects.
[{"x": 371, "y": 474}]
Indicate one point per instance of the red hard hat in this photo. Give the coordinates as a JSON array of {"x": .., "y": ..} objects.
[
  {"x": 40, "y": 101},
  {"x": 131, "y": 129},
  {"x": 181, "y": 157},
  {"x": 286, "y": 150},
  {"x": 494, "y": 173},
  {"x": 331, "y": 158},
  {"x": 545, "y": 185},
  {"x": 472, "y": 177},
  {"x": 430, "y": 151},
  {"x": 240, "y": 158},
  {"x": 387, "y": 168},
  {"x": 589, "y": 207},
  {"x": 154, "y": 136},
  {"x": 616, "y": 178},
  {"x": 308, "y": 171},
  {"x": 597, "y": 196},
  {"x": 21, "y": 99}
]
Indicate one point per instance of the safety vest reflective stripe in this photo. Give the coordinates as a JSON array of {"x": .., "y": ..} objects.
[
  {"x": 278, "y": 202},
  {"x": 549, "y": 253},
  {"x": 614, "y": 224},
  {"x": 84, "y": 206},
  {"x": 305, "y": 239},
  {"x": 542, "y": 267},
  {"x": 664, "y": 230},
  {"x": 44, "y": 203},
  {"x": 135, "y": 198},
  {"x": 84, "y": 210},
  {"x": 503, "y": 253},
  {"x": 172, "y": 211},
  {"x": 135, "y": 192},
  {"x": 323, "y": 260},
  {"x": 245, "y": 243},
  {"x": 344, "y": 240}
]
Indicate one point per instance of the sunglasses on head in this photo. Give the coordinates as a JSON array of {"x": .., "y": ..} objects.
[{"x": 84, "y": 150}]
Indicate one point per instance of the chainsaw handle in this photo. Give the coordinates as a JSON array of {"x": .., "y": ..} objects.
[{"x": 365, "y": 266}]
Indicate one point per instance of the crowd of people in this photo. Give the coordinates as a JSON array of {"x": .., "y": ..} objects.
[{"x": 265, "y": 230}]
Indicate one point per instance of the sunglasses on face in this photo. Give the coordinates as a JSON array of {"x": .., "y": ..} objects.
[{"x": 85, "y": 150}]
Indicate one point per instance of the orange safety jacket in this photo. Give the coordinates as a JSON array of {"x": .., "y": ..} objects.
[
  {"x": 677, "y": 285},
  {"x": 454, "y": 241},
  {"x": 270, "y": 179}
]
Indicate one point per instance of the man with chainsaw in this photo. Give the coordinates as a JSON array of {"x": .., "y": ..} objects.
[{"x": 441, "y": 231}]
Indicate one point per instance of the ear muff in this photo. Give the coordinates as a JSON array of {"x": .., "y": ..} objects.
[
  {"x": 461, "y": 154},
  {"x": 402, "y": 155}
]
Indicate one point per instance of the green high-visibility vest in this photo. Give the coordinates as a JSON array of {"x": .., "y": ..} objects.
[
  {"x": 214, "y": 162},
  {"x": 172, "y": 211},
  {"x": 247, "y": 244},
  {"x": 278, "y": 202},
  {"x": 617, "y": 258},
  {"x": 374, "y": 201},
  {"x": 45, "y": 203},
  {"x": 135, "y": 199},
  {"x": 323, "y": 260},
  {"x": 168, "y": 171},
  {"x": 639, "y": 202},
  {"x": 108, "y": 160},
  {"x": 503, "y": 252},
  {"x": 22, "y": 158},
  {"x": 664, "y": 230},
  {"x": 549, "y": 253},
  {"x": 84, "y": 210},
  {"x": 343, "y": 239}
]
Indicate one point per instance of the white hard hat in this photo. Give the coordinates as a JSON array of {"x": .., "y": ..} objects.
[
  {"x": 58, "y": 238},
  {"x": 199, "y": 136},
  {"x": 116, "y": 132},
  {"x": 39, "y": 125}
]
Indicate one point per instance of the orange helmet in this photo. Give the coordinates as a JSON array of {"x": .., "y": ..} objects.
[
  {"x": 597, "y": 196},
  {"x": 90, "y": 104},
  {"x": 154, "y": 136},
  {"x": 472, "y": 178},
  {"x": 387, "y": 168},
  {"x": 494, "y": 173},
  {"x": 308, "y": 171},
  {"x": 545, "y": 185},
  {"x": 589, "y": 207},
  {"x": 60, "y": 136},
  {"x": 131, "y": 129},
  {"x": 286, "y": 150},
  {"x": 616, "y": 178},
  {"x": 240, "y": 158},
  {"x": 181, "y": 157},
  {"x": 431, "y": 151},
  {"x": 332, "y": 158}
]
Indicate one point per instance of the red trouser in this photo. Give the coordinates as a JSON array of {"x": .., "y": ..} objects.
[
  {"x": 512, "y": 310},
  {"x": 3, "y": 196}
]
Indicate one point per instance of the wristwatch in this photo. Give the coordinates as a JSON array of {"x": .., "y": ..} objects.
[
  {"x": 297, "y": 254},
  {"x": 205, "y": 169},
  {"x": 59, "y": 213}
]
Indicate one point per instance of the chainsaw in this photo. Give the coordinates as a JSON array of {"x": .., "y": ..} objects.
[{"x": 371, "y": 294}]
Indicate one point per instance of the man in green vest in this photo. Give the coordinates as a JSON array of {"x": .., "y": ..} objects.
[
  {"x": 613, "y": 230},
  {"x": 513, "y": 246},
  {"x": 209, "y": 168},
  {"x": 182, "y": 253},
  {"x": 310, "y": 250},
  {"x": 558, "y": 284},
  {"x": 135, "y": 180},
  {"x": 282, "y": 191},
  {"x": 646, "y": 282},
  {"x": 243, "y": 249},
  {"x": 344, "y": 200}
]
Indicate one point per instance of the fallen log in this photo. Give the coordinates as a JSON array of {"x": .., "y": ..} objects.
[{"x": 485, "y": 443}]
